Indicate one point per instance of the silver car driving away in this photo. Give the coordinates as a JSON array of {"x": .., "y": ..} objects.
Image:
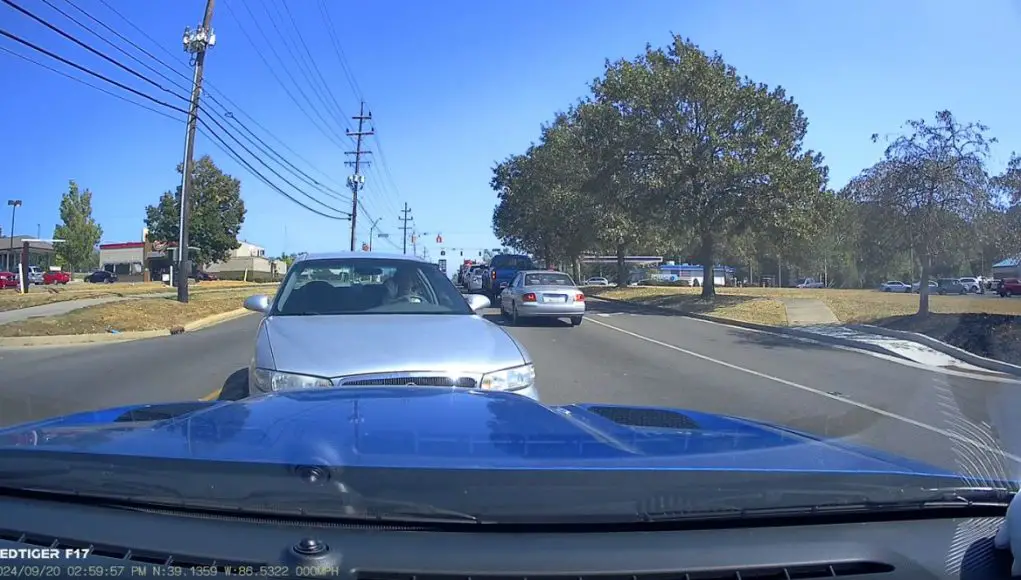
[
  {"x": 542, "y": 294},
  {"x": 370, "y": 319}
]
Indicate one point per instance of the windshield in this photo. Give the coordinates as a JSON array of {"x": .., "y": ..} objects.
[
  {"x": 367, "y": 286},
  {"x": 741, "y": 254}
]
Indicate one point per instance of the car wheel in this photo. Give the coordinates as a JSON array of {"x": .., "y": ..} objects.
[{"x": 576, "y": 320}]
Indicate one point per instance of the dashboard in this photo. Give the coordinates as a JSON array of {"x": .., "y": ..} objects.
[{"x": 64, "y": 540}]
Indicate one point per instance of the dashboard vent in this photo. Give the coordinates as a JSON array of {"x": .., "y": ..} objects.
[
  {"x": 650, "y": 418},
  {"x": 130, "y": 556},
  {"x": 793, "y": 572}
]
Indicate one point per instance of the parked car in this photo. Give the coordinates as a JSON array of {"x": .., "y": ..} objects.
[
  {"x": 597, "y": 281},
  {"x": 949, "y": 286},
  {"x": 101, "y": 276},
  {"x": 1009, "y": 287},
  {"x": 362, "y": 319},
  {"x": 916, "y": 287},
  {"x": 8, "y": 280},
  {"x": 543, "y": 294},
  {"x": 35, "y": 275},
  {"x": 56, "y": 277},
  {"x": 895, "y": 286},
  {"x": 970, "y": 284},
  {"x": 203, "y": 276}
]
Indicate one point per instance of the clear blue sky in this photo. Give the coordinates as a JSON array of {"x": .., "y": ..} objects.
[{"x": 455, "y": 86}]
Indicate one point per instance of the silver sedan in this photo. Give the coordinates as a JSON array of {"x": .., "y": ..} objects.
[
  {"x": 542, "y": 294},
  {"x": 366, "y": 319}
]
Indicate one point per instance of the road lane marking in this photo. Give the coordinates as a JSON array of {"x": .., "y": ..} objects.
[{"x": 807, "y": 389}]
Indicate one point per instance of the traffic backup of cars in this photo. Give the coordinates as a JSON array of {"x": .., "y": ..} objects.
[{"x": 370, "y": 319}]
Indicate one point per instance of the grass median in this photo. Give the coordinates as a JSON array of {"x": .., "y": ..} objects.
[
  {"x": 133, "y": 315},
  {"x": 986, "y": 325},
  {"x": 39, "y": 295}
]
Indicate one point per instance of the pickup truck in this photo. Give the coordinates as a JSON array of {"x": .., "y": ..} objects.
[{"x": 502, "y": 270}]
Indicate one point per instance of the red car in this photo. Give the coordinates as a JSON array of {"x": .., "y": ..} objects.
[
  {"x": 56, "y": 277},
  {"x": 8, "y": 280}
]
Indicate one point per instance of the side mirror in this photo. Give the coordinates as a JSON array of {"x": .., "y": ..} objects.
[
  {"x": 257, "y": 303},
  {"x": 477, "y": 302}
]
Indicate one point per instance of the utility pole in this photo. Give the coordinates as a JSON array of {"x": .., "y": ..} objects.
[
  {"x": 357, "y": 181},
  {"x": 404, "y": 224},
  {"x": 196, "y": 42},
  {"x": 372, "y": 232},
  {"x": 14, "y": 203}
]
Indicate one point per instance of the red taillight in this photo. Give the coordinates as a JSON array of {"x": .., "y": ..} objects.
[
  {"x": 529, "y": 297},
  {"x": 494, "y": 275},
  {"x": 579, "y": 297}
]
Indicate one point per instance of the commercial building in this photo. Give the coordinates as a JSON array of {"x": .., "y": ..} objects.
[
  {"x": 40, "y": 254},
  {"x": 128, "y": 260}
]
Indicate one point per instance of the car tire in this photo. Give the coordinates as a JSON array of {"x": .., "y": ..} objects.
[{"x": 576, "y": 320}]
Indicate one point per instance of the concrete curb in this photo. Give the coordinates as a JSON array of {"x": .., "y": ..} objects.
[
  {"x": 777, "y": 330},
  {"x": 947, "y": 349},
  {"x": 108, "y": 337}
]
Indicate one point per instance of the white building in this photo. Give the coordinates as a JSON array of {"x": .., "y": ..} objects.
[{"x": 248, "y": 261}]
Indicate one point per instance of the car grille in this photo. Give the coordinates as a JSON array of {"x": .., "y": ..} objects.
[{"x": 410, "y": 379}]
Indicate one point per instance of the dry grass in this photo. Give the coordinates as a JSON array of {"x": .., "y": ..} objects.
[
  {"x": 849, "y": 306},
  {"x": 731, "y": 306},
  {"x": 133, "y": 315},
  {"x": 38, "y": 295}
]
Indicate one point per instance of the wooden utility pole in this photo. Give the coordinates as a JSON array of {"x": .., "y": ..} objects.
[
  {"x": 404, "y": 225},
  {"x": 357, "y": 181},
  {"x": 196, "y": 42}
]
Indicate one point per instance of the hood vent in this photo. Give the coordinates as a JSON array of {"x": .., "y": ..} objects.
[
  {"x": 792, "y": 572},
  {"x": 127, "y": 555},
  {"x": 648, "y": 418}
]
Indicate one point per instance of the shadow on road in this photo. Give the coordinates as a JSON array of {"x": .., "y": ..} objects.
[
  {"x": 767, "y": 340},
  {"x": 235, "y": 387},
  {"x": 496, "y": 318}
]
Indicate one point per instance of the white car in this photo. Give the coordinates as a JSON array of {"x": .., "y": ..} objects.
[
  {"x": 895, "y": 286},
  {"x": 597, "y": 281}
]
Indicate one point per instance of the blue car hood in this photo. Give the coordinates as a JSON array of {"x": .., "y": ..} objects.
[{"x": 411, "y": 427}]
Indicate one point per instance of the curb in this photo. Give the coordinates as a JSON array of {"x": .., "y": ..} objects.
[
  {"x": 109, "y": 337},
  {"x": 945, "y": 348},
  {"x": 778, "y": 330}
]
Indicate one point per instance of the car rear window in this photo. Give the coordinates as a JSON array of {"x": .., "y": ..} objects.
[
  {"x": 511, "y": 262},
  {"x": 551, "y": 279}
]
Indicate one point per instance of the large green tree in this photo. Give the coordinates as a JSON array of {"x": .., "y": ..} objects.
[
  {"x": 931, "y": 187},
  {"x": 79, "y": 231},
  {"x": 216, "y": 213},
  {"x": 726, "y": 152}
]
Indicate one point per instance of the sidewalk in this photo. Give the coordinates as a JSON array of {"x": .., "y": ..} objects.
[{"x": 808, "y": 312}]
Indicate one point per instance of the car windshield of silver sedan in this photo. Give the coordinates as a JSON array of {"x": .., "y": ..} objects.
[
  {"x": 548, "y": 279},
  {"x": 367, "y": 286}
]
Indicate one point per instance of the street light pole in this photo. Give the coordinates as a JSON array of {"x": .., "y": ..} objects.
[{"x": 14, "y": 203}]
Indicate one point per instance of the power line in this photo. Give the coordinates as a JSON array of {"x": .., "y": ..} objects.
[
  {"x": 252, "y": 137},
  {"x": 357, "y": 180},
  {"x": 134, "y": 91}
]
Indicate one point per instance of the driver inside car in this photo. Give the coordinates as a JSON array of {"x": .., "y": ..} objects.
[{"x": 401, "y": 287}]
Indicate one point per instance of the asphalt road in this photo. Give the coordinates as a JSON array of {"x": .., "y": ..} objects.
[{"x": 619, "y": 355}]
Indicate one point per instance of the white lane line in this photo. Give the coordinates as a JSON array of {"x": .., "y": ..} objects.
[
  {"x": 990, "y": 378},
  {"x": 807, "y": 389}
]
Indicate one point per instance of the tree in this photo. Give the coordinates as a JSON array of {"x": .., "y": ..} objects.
[
  {"x": 79, "y": 231},
  {"x": 726, "y": 152},
  {"x": 216, "y": 213},
  {"x": 932, "y": 186}
]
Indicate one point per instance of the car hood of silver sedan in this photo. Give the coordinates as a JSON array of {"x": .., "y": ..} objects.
[{"x": 339, "y": 345}]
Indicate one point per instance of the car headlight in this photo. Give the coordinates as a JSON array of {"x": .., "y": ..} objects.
[
  {"x": 270, "y": 380},
  {"x": 513, "y": 379}
]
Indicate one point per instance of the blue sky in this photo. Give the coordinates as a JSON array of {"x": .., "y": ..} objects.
[{"x": 455, "y": 86}]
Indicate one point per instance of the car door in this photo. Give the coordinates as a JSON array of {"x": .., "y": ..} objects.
[{"x": 508, "y": 296}]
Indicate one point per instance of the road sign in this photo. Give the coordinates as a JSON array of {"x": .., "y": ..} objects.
[{"x": 442, "y": 264}]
